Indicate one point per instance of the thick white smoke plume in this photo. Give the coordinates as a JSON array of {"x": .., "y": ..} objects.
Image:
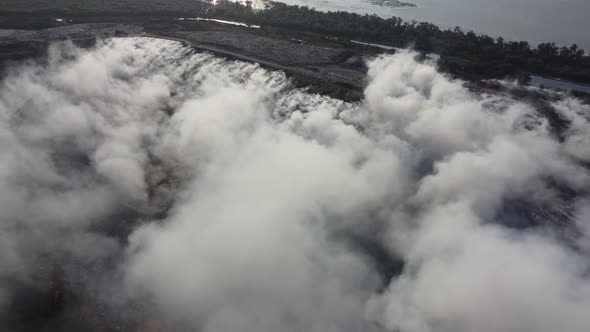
[{"x": 151, "y": 188}]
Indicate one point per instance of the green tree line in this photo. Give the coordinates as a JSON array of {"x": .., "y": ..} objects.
[
  {"x": 464, "y": 53},
  {"x": 467, "y": 54}
]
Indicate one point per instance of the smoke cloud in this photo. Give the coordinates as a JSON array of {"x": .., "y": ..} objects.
[{"x": 147, "y": 187}]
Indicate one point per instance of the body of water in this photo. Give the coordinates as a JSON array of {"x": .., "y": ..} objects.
[
  {"x": 559, "y": 84},
  {"x": 219, "y": 21},
  {"x": 562, "y": 21}
]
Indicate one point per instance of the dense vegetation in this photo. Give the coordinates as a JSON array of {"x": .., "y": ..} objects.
[
  {"x": 463, "y": 53},
  {"x": 100, "y": 7}
]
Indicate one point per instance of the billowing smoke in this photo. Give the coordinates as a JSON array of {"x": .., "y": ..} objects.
[{"x": 146, "y": 187}]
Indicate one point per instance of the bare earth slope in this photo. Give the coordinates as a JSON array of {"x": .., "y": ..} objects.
[{"x": 325, "y": 70}]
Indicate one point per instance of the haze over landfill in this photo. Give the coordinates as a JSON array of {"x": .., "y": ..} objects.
[{"x": 166, "y": 173}]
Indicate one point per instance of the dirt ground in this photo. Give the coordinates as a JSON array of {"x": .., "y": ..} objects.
[{"x": 337, "y": 72}]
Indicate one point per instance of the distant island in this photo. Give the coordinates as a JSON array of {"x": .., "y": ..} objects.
[{"x": 392, "y": 3}]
